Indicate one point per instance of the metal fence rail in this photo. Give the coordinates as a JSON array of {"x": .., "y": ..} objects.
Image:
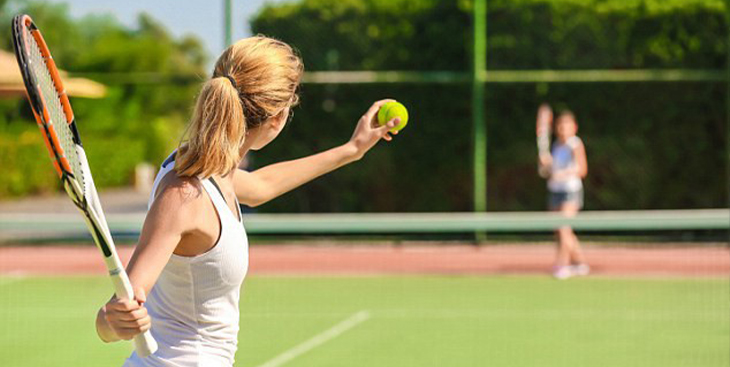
[
  {"x": 56, "y": 225},
  {"x": 517, "y": 76},
  {"x": 448, "y": 77}
]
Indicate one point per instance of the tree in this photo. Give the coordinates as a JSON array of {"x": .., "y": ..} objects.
[
  {"x": 650, "y": 145},
  {"x": 136, "y": 122}
]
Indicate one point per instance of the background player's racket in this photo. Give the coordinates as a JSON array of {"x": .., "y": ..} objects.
[
  {"x": 55, "y": 118},
  {"x": 544, "y": 128}
]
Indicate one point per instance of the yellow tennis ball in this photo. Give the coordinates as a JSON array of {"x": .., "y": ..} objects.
[{"x": 390, "y": 111}]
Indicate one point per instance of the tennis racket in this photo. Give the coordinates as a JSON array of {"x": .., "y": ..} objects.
[
  {"x": 55, "y": 118},
  {"x": 544, "y": 128}
]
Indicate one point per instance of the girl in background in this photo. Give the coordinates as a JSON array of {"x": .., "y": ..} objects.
[
  {"x": 567, "y": 166},
  {"x": 192, "y": 254}
]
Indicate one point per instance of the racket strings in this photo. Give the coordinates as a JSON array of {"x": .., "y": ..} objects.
[{"x": 52, "y": 101}]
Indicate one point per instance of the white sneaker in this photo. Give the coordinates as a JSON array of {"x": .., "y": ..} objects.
[
  {"x": 562, "y": 272},
  {"x": 580, "y": 269}
]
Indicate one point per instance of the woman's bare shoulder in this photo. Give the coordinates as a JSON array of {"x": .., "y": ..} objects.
[{"x": 180, "y": 195}]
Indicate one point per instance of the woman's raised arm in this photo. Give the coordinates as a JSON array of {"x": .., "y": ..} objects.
[{"x": 257, "y": 187}]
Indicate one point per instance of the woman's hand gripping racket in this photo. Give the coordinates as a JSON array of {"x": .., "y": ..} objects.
[
  {"x": 544, "y": 128},
  {"x": 55, "y": 118}
]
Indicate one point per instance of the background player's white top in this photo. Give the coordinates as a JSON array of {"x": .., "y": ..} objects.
[
  {"x": 194, "y": 303},
  {"x": 563, "y": 159}
]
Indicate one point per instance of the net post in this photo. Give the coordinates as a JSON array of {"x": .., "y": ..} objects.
[{"x": 479, "y": 72}]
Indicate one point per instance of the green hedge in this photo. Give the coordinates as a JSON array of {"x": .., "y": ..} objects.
[
  {"x": 30, "y": 169},
  {"x": 650, "y": 145},
  {"x": 133, "y": 123},
  {"x": 27, "y": 165}
]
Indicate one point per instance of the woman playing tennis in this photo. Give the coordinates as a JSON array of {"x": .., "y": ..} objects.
[
  {"x": 192, "y": 254},
  {"x": 567, "y": 166}
]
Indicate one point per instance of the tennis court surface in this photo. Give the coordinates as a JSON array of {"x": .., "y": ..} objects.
[{"x": 407, "y": 304}]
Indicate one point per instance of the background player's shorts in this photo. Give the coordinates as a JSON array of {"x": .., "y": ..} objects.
[{"x": 557, "y": 199}]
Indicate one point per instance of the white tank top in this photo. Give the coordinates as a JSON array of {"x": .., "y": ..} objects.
[
  {"x": 194, "y": 303},
  {"x": 563, "y": 159}
]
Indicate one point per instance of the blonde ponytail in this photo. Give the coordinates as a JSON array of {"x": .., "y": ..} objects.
[
  {"x": 218, "y": 128},
  {"x": 253, "y": 80}
]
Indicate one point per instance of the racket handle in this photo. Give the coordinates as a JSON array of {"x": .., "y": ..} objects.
[{"x": 144, "y": 343}]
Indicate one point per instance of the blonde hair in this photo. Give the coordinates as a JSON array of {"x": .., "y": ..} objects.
[{"x": 254, "y": 79}]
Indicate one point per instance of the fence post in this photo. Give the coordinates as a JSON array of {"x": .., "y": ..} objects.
[{"x": 478, "y": 120}]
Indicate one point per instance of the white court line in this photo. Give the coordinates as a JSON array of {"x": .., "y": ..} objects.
[{"x": 318, "y": 339}]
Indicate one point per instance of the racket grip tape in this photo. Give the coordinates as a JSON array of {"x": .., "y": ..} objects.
[{"x": 144, "y": 343}]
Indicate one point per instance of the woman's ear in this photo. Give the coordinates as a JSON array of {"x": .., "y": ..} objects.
[{"x": 277, "y": 122}]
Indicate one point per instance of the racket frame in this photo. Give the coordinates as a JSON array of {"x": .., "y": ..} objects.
[
  {"x": 85, "y": 198},
  {"x": 543, "y": 131}
]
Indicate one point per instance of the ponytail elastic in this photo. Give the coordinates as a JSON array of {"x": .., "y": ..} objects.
[{"x": 233, "y": 81}]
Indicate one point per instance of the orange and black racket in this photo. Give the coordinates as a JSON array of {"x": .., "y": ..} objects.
[{"x": 55, "y": 119}]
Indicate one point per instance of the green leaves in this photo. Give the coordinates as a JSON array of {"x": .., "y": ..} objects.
[
  {"x": 650, "y": 145},
  {"x": 135, "y": 122}
]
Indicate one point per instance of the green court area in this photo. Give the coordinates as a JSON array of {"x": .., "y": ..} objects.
[{"x": 406, "y": 321}]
